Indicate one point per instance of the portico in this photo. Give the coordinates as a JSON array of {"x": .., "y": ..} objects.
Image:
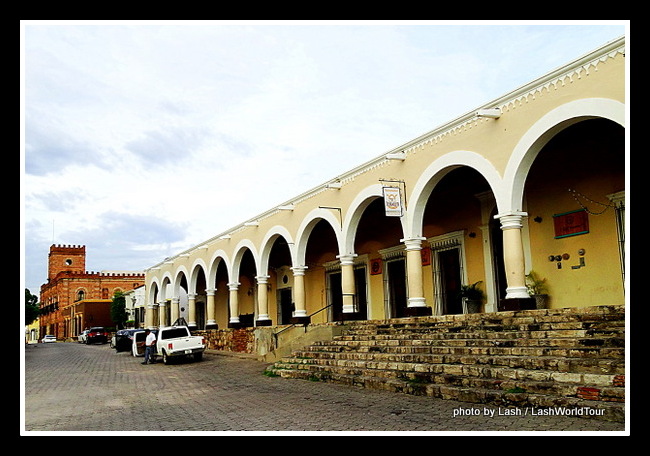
[{"x": 481, "y": 198}]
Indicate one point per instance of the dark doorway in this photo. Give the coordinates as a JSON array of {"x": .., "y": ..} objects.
[
  {"x": 498, "y": 265},
  {"x": 396, "y": 275},
  {"x": 360, "y": 284},
  {"x": 450, "y": 278},
  {"x": 336, "y": 295},
  {"x": 285, "y": 305}
]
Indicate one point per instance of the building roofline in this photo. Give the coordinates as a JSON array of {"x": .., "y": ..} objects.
[{"x": 608, "y": 49}]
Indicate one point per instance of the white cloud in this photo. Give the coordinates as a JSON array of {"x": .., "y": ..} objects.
[{"x": 144, "y": 139}]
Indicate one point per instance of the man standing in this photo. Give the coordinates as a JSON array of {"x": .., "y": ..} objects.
[{"x": 150, "y": 346}]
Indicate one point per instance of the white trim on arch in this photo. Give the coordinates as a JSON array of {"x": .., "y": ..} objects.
[
  {"x": 194, "y": 275},
  {"x": 541, "y": 132},
  {"x": 306, "y": 227},
  {"x": 354, "y": 213},
  {"x": 239, "y": 254},
  {"x": 432, "y": 175},
  {"x": 267, "y": 245}
]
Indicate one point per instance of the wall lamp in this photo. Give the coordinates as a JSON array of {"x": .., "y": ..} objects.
[
  {"x": 396, "y": 156},
  {"x": 490, "y": 113}
]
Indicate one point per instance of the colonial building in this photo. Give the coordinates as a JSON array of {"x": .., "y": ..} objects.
[
  {"x": 74, "y": 299},
  {"x": 135, "y": 306},
  {"x": 532, "y": 181}
]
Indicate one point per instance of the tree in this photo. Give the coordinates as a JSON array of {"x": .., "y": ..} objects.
[
  {"x": 118, "y": 310},
  {"x": 32, "y": 310}
]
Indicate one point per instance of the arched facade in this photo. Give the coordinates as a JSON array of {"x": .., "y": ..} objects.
[{"x": 468, "y": 191}]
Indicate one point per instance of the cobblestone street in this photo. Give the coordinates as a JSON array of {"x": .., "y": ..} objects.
[{"x": 74, "y": 387}]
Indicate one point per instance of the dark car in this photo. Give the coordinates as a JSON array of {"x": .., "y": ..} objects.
[
  {"x": 124, "y": 339},
  {"x": 97, "y": 334}
]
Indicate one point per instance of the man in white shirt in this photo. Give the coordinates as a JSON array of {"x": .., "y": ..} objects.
[{"x": 150, "y": 346}]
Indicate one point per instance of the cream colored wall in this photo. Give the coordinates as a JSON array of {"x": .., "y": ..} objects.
[{"x": 486, "y": 144}]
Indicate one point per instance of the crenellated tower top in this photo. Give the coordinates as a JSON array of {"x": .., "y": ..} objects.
[{"x": 66, "y": 258}]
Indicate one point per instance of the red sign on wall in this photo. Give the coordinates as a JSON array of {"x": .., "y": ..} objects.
[
  {"x": 375, "y": 266},
  {"x": 571, "y": 223}
]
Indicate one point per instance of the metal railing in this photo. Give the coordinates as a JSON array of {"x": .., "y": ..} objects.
[{"x": 276, "y": 334}]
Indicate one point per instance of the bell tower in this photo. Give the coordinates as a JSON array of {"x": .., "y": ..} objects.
[{"x": 70, "y": 258}]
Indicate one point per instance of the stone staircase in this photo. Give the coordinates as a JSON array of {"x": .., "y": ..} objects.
[{"x": 563, "y": 359}]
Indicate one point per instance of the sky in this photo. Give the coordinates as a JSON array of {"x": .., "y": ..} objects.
[{"x": 142, "y": 139}]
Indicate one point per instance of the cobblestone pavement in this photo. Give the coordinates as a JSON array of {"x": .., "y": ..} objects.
[{"x": 74, "y": 387}]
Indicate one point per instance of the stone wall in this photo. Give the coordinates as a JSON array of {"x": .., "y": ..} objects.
[{"x": 235, "y": 340}]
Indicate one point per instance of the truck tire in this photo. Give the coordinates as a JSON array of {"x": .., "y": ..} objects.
[
  {"x": 166, "y": 359},
  {"x": 198, "y": 356}
]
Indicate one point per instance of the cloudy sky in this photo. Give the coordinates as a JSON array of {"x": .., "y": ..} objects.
[{"x": 142, "y": 139}]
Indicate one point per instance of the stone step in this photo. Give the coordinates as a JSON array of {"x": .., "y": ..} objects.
[
  {"x": 504, "y": 393},
  {"x": 544, "y": 358},
  {"x": 549, "y": 363},
  {"x": 436, "y": 372},
  {"x": 573, "y": 351}
]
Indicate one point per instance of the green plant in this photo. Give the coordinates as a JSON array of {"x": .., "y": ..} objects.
[
  {"x": 471, "y": 292},
  {"x": 516, "y": 389},
  {"x": 534, "y": 284}
]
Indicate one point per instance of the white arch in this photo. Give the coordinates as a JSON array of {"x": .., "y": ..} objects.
[
  {"x": 198, "y": 264},
  {"x": 239, "y": 253},
  {"x": 354, "y": 213},
  {"x": 267, "y": 245},
  {"x": 180, "y": 270},
  {"x": 306, "y": 227},
  {"x": 216, "y": 259},
  {"x": 541, "y": 132},
  {"x": 434, "y": 173},
  {"x": 154, "y": 286},
  {"x": 165, "y": 282}
]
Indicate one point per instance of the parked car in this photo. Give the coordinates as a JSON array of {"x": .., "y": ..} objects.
[
  {"x": 97, "y": 334},
  {"x": 123, "y": 339},
  {"x": 48, "y": 339},
  {"x": 81, "y": 338}
]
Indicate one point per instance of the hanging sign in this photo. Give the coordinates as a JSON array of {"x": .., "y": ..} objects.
[
  {"x": 571, "y": 223},
  {"x": 392, "y": 202}
]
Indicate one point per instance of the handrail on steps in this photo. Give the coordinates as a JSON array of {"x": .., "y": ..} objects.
[{"x": 304, "y": 325}]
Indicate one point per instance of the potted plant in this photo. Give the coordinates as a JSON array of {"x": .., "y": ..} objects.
[
  {"x": 472, "y": 297},
  {"x": 537, "y": 289}
]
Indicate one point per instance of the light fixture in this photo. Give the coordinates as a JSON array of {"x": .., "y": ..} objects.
[
  {"x": 401, "y": 156},
  {"x": 490, "y": 113}
]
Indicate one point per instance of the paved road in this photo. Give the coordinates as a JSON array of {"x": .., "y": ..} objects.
[{"x": 74, "y": 387}]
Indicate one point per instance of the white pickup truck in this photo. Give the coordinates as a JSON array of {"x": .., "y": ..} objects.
[{"x": 172, "y": 342}]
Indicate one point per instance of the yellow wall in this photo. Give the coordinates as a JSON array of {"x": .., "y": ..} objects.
[{"x": 496, "y": 150}]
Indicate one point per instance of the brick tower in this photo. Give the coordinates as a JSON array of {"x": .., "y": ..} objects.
[{"x": 66, "y": 258}]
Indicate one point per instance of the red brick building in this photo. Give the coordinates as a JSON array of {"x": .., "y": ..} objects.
[{"x": 74, "y": 299}]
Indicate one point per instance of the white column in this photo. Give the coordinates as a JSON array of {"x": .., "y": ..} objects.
[
  {"x": 149, "y": 315},
  {"x": 299, "y": 291},
  {"x": 414, "y": 272},
  {"x": 191, "y": 313},
  {"x": 513, "y": 254},
  {"x": 174, "y": 310},
  {"x": 233, "y": 288},
  {"x": 348, "y": 285},
  {"x": 263, "y": 318},
  {"x": 212, "y": 309},
  {"x": 162, "y": 313}
]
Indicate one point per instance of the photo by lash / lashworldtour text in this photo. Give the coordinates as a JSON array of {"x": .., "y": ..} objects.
[{"x": 526, "y": 411}]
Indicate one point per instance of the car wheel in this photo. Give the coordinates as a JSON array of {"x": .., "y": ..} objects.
[
  {"x": 165, "y": 358},
  {"x": 198, "y": 356}
]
